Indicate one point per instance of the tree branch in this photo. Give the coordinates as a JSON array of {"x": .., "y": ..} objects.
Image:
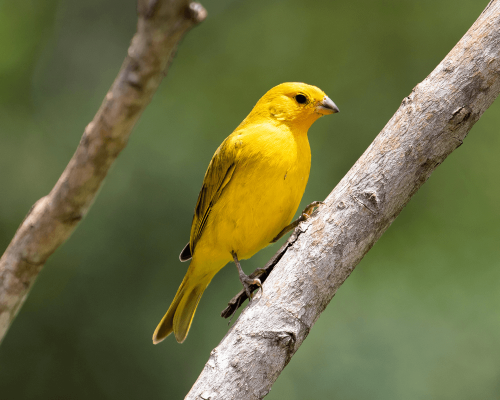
[
  {"x": 430, "y": 123},
  {"x": 161, "y": 25}
]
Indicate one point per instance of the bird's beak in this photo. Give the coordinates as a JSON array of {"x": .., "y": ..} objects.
[{"x": 327, "y": 106}]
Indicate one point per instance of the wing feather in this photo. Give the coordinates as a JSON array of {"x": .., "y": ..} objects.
[{"x": 218, "y": 175}]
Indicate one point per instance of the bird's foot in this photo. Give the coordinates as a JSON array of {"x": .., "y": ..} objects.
[
  {"x": 245, "y": 280},
  {"x": 311, "y": 207}
]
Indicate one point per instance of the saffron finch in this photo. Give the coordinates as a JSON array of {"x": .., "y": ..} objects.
[{"x": 250, "y": 193}]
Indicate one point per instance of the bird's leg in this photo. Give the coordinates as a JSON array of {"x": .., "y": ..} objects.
[
  {"x": 303, "y": 217},
  {"x": 246, "y": 281}
]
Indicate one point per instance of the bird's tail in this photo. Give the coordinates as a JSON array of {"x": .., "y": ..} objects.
[{"x": 181, "y": 312}]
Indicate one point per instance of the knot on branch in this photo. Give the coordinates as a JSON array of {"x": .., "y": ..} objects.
[
  {"x": 459, "y": 116},
  {"x": 368, "y": 199},
  {"x": 370, "y": 196},
  {"x": 408, "y": 99},
  {"x": 286, "y": 339},
  {"x": 151, "y": 9},
  {"x": 196, "y": 12},
  {"x": 207, "y": 395}
]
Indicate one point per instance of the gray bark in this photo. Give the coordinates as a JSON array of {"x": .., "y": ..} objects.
[
  {"x": 161, "y": 25},
  {"x": 430, "y": 123}
]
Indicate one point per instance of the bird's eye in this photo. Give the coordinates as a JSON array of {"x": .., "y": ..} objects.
[{"x": 301, "y": 99}]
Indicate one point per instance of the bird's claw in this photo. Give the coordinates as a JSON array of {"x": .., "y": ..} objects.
[
  {"x": 303, "y": 217},
  {"x": 247, "y": 282},
  {"x": 311, "y": 207}
]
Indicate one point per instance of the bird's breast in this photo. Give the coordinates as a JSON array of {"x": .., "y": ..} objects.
[{"x": 262, "y": 197}]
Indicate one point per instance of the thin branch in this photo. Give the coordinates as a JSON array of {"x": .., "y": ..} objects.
[
  {"x": 430, "y": 123},
  {"x": 161, "y": 25}
]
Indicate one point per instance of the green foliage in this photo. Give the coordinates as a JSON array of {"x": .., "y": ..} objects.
[{"x": 417, "y": 319}]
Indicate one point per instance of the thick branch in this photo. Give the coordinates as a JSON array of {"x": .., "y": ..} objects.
[
  {"x": 430, "y": 123},
  {"x": 160, "y": 27}
]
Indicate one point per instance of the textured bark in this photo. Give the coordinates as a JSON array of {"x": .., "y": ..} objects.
[
  {"x": 430, "y": 123},
  {"x": 161, "y": 24}
]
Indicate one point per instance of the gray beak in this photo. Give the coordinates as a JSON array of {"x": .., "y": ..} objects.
[{"x": 327, "y": 106}]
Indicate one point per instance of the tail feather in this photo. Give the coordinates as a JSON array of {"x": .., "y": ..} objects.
[
  {"x": 166, "y": 325},
  {"x": 180, "y": 314},
  {"x": 185, "y": 312}
]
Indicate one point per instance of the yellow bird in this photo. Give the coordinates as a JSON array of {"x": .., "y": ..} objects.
[{"x": 250, "y": 193}]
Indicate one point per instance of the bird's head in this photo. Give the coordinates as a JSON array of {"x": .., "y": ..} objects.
[{"x": 295, "y": 104}]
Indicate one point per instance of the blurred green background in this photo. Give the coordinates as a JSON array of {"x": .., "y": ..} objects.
[{"x": 418, "y": 318}]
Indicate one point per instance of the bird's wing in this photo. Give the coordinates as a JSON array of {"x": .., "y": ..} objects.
[{"x": 218, "y": 175}]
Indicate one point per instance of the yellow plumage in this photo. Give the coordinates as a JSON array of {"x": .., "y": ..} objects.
[{"x": 251, "y": 191}]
